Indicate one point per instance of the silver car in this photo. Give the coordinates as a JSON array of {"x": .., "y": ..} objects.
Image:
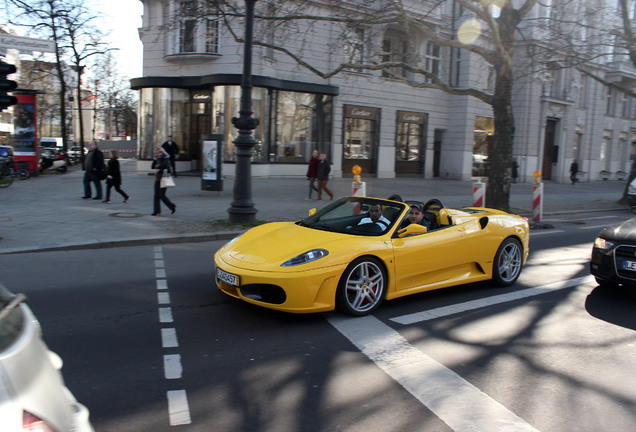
[{"x": 32, "y": 391}]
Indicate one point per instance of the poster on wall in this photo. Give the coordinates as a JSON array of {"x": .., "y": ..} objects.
[
  {"x": 24, "y": 128},
  {"x": 210, "y": 151}
]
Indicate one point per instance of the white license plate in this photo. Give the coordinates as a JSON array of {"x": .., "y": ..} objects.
[
  {"x": 629, "y": 265},
  {"x": 232, "y": 279}
]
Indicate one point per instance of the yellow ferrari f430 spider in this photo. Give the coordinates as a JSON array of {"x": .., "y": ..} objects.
[{"x": 358, "y": 251}]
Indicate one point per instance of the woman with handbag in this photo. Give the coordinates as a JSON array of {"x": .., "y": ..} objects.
[{"x": 161, "y": 165}]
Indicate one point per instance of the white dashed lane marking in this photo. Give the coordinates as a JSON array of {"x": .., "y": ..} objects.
[{"x": 178, "y": 408}]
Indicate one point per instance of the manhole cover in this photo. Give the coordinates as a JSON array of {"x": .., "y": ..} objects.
[{"x": 125, "y": 215}]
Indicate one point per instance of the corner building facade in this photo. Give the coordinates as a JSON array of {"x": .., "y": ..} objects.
[{"x": 192, "y": 69}]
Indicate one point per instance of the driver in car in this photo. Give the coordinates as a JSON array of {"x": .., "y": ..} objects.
[
  {"x": 416, "y": 216},
  {"x": 375, "y": 216}
]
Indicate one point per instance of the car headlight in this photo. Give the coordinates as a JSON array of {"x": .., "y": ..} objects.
[
  {"x": 306, "y": 257},
  {"x": 602, "y": 244},
  {"x": 231, "y": 241},
  {"x": 631, "y": 190}
]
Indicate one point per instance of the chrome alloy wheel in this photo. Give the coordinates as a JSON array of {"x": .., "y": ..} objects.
[
  {"x": 362, "y": 287},
  {"x": 508, "y": 262}
]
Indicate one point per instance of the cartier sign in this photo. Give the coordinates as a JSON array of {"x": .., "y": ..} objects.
[
  {"x": 362, "y": 112},
  {"x": 411, "y": 117}
]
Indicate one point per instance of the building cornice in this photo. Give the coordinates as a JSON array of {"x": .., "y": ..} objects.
[{"x": 207, "y": 81}]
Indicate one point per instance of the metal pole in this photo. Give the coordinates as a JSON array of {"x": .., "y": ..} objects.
[{"x": 242, "y": 208}]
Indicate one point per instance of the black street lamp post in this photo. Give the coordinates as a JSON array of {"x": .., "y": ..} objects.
[{"x": 242, "y": 208}]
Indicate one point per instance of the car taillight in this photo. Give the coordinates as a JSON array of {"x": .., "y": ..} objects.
[{"x": 32, "y": 423}]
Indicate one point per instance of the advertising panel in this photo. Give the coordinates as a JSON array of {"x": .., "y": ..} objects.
[
  {"x": 211, "y": 148},
  {"x": 24, "y": 126}
]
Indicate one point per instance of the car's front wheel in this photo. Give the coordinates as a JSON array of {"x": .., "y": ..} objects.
[
  {"x": 362, "y": 287},
  {"x": 507, "y": 264}
]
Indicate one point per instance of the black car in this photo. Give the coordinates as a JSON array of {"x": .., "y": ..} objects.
[{"x": 614, "y": 255}]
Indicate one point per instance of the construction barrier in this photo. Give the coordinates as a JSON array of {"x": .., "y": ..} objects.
[
  {"x": 479, "y": 194},
  {"x": 537, "y": 202},
  {"x": 359, "y": 188}
]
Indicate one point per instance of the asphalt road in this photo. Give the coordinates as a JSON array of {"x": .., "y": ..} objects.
[{"x": 552, "y": 353}]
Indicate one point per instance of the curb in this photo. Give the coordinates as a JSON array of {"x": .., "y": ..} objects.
[{"x": 105, "y": 244}]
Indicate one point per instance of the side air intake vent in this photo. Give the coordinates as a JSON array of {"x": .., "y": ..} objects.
[{"x": 483, "y": 222}]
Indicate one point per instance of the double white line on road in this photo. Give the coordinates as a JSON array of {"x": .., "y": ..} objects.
[
  {"x": 459, "y": 404},
  {"x": 178, "y": 408}
]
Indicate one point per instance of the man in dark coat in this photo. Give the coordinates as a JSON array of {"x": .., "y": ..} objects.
[
  {"x": 93, "y": 171},
  {"x": 574, "y": 169},
  {"x": 323, "y": 176},
  {"x": 172, "y": 149}
]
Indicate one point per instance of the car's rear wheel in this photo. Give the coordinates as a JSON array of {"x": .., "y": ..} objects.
[
  {"x": 362, "y": 287},
  {"x": 507, "y": 264}
]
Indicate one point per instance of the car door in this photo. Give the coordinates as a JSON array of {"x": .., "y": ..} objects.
[{"x": 441, "y": 256}]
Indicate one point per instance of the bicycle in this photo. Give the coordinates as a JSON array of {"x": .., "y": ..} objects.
[
  {"x": 6, "y": 174},
  {"x": 21, "y": 170}
]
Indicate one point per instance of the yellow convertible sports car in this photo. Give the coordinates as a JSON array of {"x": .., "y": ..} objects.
[{"x": 358, "y": 251}]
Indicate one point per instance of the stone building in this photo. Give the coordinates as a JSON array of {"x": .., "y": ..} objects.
[{"x": 192, "y": 71}]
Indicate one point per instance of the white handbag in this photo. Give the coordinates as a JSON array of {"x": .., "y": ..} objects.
[{"x": 167, "y": 181}]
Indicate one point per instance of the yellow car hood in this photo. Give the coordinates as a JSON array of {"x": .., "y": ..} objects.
[{"x": 272, "y": 244}]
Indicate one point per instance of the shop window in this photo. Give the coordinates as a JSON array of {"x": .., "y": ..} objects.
[
  {"x": 300, "y": 126},
  {"x": 359, "y": 138},
  {"x": 410, "y": 136},
  {"x": 291, "y": 124},
  {"x": 482, "y": 144}
]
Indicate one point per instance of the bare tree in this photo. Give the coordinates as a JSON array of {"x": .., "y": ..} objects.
[
  {"x": 116, "y": 101},
  {"x": 70, "y": 24},
  {"x": 84, "y": 40},
  {"x": 492, "y": 33},
  {"x": 44, "y": 17}
]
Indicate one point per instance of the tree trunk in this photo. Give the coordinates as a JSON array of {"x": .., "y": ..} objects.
[{"x": 498, "y": 190}]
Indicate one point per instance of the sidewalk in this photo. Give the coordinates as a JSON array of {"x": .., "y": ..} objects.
[{"x": 47, "y": 212}]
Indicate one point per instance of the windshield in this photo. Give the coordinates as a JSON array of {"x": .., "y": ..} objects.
[{"x": 356, "y": 216}]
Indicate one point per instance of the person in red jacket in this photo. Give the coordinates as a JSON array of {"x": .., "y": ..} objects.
[{"x": 312, "y": 172}]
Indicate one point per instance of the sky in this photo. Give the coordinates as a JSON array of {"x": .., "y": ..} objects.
[{"x": 122, "y": 18}]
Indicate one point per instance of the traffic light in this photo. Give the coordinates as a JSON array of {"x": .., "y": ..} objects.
[{"x": 6, "y": 85}]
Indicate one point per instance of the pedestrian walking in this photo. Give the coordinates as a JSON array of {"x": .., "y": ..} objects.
[
  {"x": 113, "y": 177},
  {"x": 93, "y": 171},
  {"x": 323, "y": 176},
  {"x": 312, "y": 172},
  {"x": 515, "y": 170},
  {"x": 172, "y": 149},
  {"x": 161, "y": 165},
  {"x": 574, "y": 169}
]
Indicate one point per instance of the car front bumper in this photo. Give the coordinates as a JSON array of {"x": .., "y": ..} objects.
[
  {"x": 297, "y": 292},
  {"x": 608, "y": 265}
]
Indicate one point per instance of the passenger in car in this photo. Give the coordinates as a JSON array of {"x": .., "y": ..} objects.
[
  {"x": 375, "y": 216},
  {"x": 416, "y": 216}
]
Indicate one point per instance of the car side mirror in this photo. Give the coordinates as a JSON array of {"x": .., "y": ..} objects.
[
  {"x": 412, "y": 229},
  {"x": 312, "y": 212}
]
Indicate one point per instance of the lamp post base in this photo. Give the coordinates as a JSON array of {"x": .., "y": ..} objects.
[{"x": 242, "y": 215}]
